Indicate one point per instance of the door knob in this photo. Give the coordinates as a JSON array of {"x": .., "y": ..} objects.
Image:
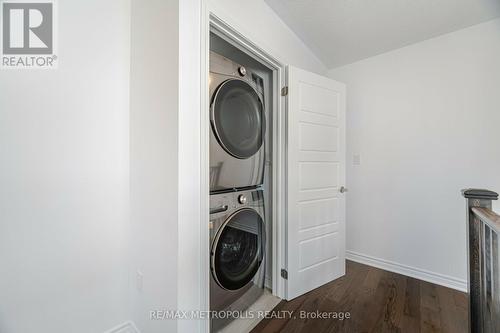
[{"x": 342, "y": 189}]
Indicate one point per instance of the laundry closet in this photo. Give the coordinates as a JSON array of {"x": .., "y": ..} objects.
[
  {"x": 241, "y": 104},
  {"x": 276, "y": 170}
]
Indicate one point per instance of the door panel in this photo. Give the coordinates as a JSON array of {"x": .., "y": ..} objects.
[
  {"x": 238, "y": 249},
  {"x": 316, "y": 170},
  {"x": 318, "y": 175},
  {"x": 314, "y": 137},
  {"x": 237, "y": 116},
  {"x": 314, "y": 213},
  {"x": 313, "y": 99}
]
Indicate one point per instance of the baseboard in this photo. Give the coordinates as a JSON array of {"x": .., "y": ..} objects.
[
  {"x": 417, "y": 273},
  {"x": 126, "y": 327}
]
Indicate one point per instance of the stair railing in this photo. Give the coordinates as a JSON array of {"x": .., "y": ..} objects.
[{"x": 483, "y": 231}]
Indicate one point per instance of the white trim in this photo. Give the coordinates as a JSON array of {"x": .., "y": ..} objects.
[
  {"x": 204, "y": 159},
  {"x": 417, "y": 273},
  {"x": 192, "y": 261},
  {"x": 126, "y": 327}
]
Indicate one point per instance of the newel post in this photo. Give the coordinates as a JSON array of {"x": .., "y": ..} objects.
[{"x": 475, "y": 198}]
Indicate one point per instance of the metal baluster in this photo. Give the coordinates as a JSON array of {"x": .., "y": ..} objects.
[{"x": 496, "y": 280}]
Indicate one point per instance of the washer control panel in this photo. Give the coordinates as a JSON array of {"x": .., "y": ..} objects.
[{"x": 225, "y": 203}]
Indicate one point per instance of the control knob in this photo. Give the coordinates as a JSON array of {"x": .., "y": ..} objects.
[{"x": 242, "y": 199}]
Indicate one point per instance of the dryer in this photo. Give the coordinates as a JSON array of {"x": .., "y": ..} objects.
[
  {"x": 237, "y": 252},
  {"x": 238, "y": 125}
]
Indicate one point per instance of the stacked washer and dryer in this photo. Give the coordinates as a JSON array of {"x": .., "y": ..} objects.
[{"x": 237, "y": 162}]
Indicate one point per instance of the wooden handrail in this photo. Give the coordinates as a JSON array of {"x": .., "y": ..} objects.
[{"x": 488, "y": 217}]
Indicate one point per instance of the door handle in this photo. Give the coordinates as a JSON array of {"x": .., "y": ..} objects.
[
  {"x": 219, "y": 210},
  {"x": 342, "y": 189}
]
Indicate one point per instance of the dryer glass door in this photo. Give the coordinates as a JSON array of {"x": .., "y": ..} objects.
[
  {"x": 237, "y": 117},
  {"x": 238, "y": 249}
]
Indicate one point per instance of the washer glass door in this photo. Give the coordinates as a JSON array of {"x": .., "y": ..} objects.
[
  {"x": 237, "y": 117},
  {"x": 238, "y": 249}
]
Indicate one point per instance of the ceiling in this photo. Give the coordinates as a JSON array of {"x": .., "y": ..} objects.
[{"x": 340, "y": 32}]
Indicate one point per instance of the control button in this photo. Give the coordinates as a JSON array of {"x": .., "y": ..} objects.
[
  {"x": 242, "y": 199},
  {"x": 242, "y": 70}
]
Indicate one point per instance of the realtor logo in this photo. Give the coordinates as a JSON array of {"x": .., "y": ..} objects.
[{"x": 28, "y": 34}]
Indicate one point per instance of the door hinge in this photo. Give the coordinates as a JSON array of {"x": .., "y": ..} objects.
[
  {"x": 284, "y": 274},
  {"x": 284, "y": 91}
]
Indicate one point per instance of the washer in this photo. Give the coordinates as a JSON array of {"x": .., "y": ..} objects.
[
  {"x": 237, "y": 252},
  {"x": 237, "y": 126}
]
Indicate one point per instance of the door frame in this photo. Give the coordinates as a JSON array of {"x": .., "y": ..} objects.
[
  {"x": 198, "y": 19},
  {"x": 229, "y": 33}
]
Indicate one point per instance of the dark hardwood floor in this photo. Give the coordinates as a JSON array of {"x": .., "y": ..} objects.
[{"x": 378, "y": 301}]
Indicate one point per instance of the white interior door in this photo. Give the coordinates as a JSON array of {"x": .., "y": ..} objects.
[{"x": 316, "y": 172}]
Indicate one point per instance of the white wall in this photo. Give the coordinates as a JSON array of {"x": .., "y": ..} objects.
[
  {"x": 258, "y": 22},
  {"x": 64, "y": 178},
  {"x": 425, "y": 120},
  {"x": 154, "y": 87}
]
